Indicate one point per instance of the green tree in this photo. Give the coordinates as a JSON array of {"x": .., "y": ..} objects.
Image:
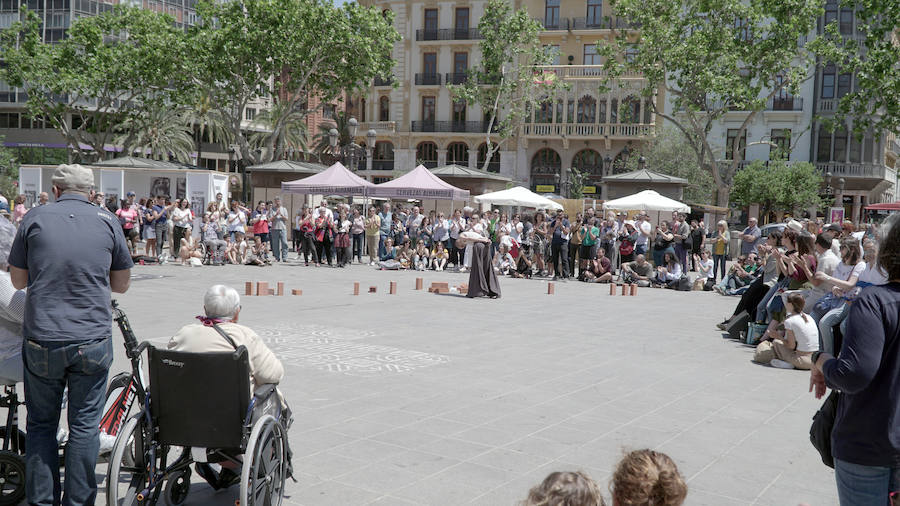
[
  {"x": 9, "y": 173},
  {"x": 159, "y": 134},
  {"x": 871, "y": 57},
  {"x": 710, "y": 58},
  {"x": 283, "y": 130},
  {"x": 505, "y": 83},
  {"x": 109, "y": 67},
  {"x": 778, "y": 186},
  {"x": 286, "y": 49},
  {"x": 669, "y": 153},
  {"x": 576, "y": 183},
  {"x": 322, "y": 139},
  {"x": 206, "y": 122}
]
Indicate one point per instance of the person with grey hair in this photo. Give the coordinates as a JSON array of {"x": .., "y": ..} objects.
[
  {"x": 69, "y": 254},
  {"x": 12, "y": 313},
  {"x": 222, "y": 306}
]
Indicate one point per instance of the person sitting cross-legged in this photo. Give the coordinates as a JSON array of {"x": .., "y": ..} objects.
[
  {"x": 598, "y": 270},
  {"x": 222, "y": 306},
  {"x": 637, "y": 272}
]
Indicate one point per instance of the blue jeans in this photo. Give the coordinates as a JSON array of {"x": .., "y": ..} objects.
[
  {"x": 761, "y": 307},
  {"x": 381, "y": 237},
  {"x": 860, "y": 485},
  {"x": 826, "y": 327},
  {"x": 279, "y": 244},
  {"x": 719, "y": 264},
  {"x": 49, "y": 367}
]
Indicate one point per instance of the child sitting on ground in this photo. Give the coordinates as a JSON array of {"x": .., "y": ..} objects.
[
  {"x": 565, "y": 489},
  {"x": 647, "y": 478},
  {"x": 801, "y": 339},
  {"x": 503, "y": 261},
  {"x": 439, "y": 256}
]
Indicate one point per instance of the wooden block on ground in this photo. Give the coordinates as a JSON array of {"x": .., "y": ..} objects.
[
  {"x": 463, "y": 288},
  {"x": 633, "y": 289},
  {"x": 393, "y": 288},
  {"x": 443, "y": 285},
  {"x": 430, "y": 289},
  {"x": 419, "y": 283},
  {"x": 280, "y": 288},
  {"x": 624, "y": 289},
  {"x": 612, "y": 288},
  {"x": 248, "y": 288},
  {"x": 271, "y": 291},
  {"x": 262, "y": 288},
  {"x": 356, "y": 289},
  {"x": 442, "y": 289},
  {"x": 373, "y": 289},
  {"x": 296, "y": 292},
  {"x": 550, "y": 288}
]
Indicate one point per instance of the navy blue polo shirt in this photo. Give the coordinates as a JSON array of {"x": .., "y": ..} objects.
[
  {"x": 69, "y": 247},
  {"x": 162, "y": 217}
]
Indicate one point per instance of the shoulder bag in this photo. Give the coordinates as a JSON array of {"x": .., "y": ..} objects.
[{"x": 822, "y": 425}]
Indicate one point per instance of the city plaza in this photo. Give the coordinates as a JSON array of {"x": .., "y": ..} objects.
[{"x": 421, "y": 398}]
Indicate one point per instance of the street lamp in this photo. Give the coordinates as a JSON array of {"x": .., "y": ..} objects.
[
  {"x": 642, "y": 162},
  {"x": 350, "y": 153},
  {"x": 829, "y": 191},
  {"x": 607, "y": 165}
]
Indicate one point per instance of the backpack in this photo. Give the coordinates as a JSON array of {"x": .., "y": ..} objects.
[
  {"x": 683, "y": 284},
  {"x": 626, "y": 248}
]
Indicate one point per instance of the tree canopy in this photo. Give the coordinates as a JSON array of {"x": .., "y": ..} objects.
[
  {"x": 712, "y": 57},
  {"x": 668, "y": 153},
  {"x": 778, "y": 186},
  {"x": 117, "y": 64}
]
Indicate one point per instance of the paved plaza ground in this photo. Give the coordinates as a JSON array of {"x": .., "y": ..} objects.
[{"x": 416, "y": 398}]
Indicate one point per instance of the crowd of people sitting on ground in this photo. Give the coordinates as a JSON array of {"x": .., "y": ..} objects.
[{"x": 796, "y": 289}]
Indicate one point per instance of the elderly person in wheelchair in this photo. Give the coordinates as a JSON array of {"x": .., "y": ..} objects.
[
  {"x": 12, "y": 312},
  {"x": 219, "y": 331}
]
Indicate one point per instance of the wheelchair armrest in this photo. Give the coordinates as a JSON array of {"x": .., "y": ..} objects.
[{"x": 264, "y": 391}]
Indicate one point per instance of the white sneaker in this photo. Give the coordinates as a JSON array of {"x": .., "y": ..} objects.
[
  {"x": 106, "y": 442},
  {"x": 781, "y": 364}
]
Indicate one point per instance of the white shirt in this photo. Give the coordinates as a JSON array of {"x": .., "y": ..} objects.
[
  {"x": 844, "y": 272},
  {"x": 873, "y": 274},
  {"x": 181, "y": 217},
  {"x": 805, "y": 332},
  {"x": 12, "y": 312},
  {"x": 708, "y": 264}
]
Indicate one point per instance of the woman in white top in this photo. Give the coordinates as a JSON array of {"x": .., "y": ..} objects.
[
  {"x": 12, "y": 312},
  {"x": 801, "y": 339},
  {"x": 237, "y": 220},
  {"x": 705, "y": 264},
  {"x": 831, "y": 309},
  {"x": 181, "y": 222}
]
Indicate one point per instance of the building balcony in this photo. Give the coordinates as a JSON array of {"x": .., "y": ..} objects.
[
  {"x": 554, "y": 24},
  {"x": 588, "y": 130},
  {"x": 853, "y": 170},
  {"x": 826, "y": 105},
  {"x": 471, "y": 127},
  {"x": 449, "y": 34},
  {"x": 428, "y": 79},
  {"x": 382, "y": 165},
  {"x": 384, "y": 81},
  {"x": 602, "y": 23},
  {"x": 380, "y": 127},
  {"x": 785, "y": 104},
  {"x": 583, "y": 72},
  {"x": 456, "y": 77}
]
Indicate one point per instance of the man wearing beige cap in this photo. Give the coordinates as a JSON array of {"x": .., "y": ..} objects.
[{"x": 69, "y": 254}]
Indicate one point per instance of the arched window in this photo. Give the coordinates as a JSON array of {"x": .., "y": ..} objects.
[
  {"x": 545, "y": 167},
  {"x": 588, "y": 161},
  {"x": 587, "y": 109},
  {"x": 384, "y": 109},
  {"x": 362, "y": 110},
  {"x": 458, "y": 153},
  {"x": 426, "y": 154},
  {"x": 494, "y": 164},
  {"x": 383, "y": 158},
  {"x": 620, "y": 161},
  {"x": 545, "y": 113}
]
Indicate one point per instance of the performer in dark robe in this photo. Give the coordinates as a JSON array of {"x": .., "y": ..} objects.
[{"x": 482, "y": 278}]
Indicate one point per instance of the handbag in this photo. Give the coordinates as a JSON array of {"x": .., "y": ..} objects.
[
  {"x": 828, "y": 302},
  {"x": 822, "y": 425},
  {"x": 626, "y": 248}
]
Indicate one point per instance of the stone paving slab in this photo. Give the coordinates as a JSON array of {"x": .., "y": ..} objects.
[{"x": 417, "y": 398}]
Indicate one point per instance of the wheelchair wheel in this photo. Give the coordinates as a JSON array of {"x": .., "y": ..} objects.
[
  {"x": 129, "y": 465},
  {"x": 12, "y": 478},
  {"x": 178, "y": 485},
  {"x": 263, "y": 473}
]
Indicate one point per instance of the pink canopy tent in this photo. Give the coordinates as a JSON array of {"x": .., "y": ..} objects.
[
  {"x": 419, "y": 183},
  {"x": 335, "y": 180}
]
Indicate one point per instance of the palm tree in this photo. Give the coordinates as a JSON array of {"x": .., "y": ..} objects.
[
  {"x": 283, "y": 130},
  {"x": 207, "y": 119},
  {"x": 323, "y": 140},
  {"x": 159, "y": 133}
]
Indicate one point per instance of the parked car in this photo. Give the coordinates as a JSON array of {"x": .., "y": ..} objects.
[{"x": 765, "y": 230}]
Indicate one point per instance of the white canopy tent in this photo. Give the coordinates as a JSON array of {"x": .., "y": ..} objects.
[
  {"x": 517, "y": 196},
  {"x": 647, "y": 200}
]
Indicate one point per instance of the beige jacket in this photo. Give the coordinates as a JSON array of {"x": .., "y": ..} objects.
[{"x": 196, "y": 338}]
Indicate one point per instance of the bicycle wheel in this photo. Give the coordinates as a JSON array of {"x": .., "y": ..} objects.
[{"x": 129, "y": 467}]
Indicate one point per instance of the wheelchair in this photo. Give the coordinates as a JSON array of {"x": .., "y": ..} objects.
[
  {"x": 185, "y": 419},
  {"x": 12, "y": 454}
]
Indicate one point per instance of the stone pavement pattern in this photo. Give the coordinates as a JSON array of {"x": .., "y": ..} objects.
[{"x": 417, "y": 398}]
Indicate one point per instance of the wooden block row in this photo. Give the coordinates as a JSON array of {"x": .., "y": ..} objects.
[
  {"x": 630, "y": 290},
  {"x": 393, "y": 288},
  {"x": 419, "y": 283},
  {"x": 262, "y": 288},
  {"x": 296, "y": 292}
]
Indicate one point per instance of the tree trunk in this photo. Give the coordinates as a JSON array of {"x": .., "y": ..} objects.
[{"x": 722, "y": 194}]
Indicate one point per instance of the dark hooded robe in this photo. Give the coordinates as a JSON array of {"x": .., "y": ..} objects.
[{"x": 482, "y": 278}]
